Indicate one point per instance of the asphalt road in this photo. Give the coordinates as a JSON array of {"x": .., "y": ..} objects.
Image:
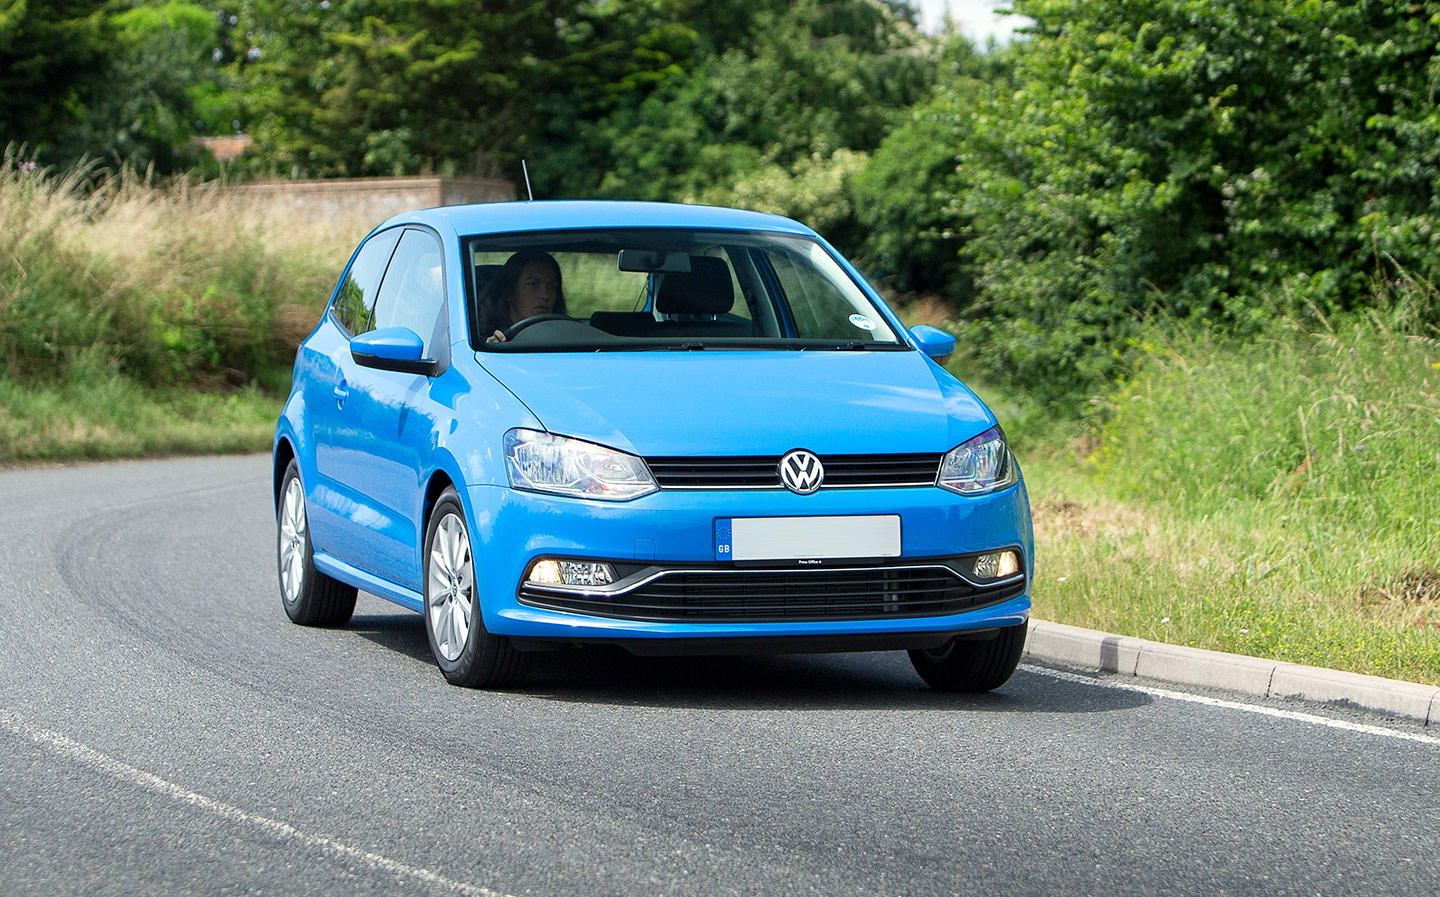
[{"x": 165, "y": 730}]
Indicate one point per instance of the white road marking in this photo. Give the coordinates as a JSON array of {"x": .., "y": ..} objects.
[
  {"x": 88, "y": 756},
  {"x": 1295, "y": 715}
]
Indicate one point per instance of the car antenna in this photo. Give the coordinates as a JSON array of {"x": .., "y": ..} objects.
[{"x": 525, "y": 169}]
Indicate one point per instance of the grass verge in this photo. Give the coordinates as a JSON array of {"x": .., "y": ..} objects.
[
  {"x": 117, "y": 418},
  {"x": 1250, "y": 581},
  {"x": 1277, "y": 498},
  {"x": 141, "y": 319}
]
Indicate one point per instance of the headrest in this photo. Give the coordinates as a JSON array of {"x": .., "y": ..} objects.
[
  {"x": 705, "y": 290},
  {"x": 486, "y": 275}
]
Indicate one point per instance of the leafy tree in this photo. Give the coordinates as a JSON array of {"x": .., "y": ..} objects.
[
  {"x": 907, "y": 197},
  {"x": 603, "y": 98},
  {"x": 614, "y": 57},
  {"x": 395, "y": 86},
  {"x": 160, "y": 68},
  {"x": 779, "y": 116},
  {"x": 53, "y": 61},
  {"x": 114, "y": 82},
  {"x": 1212, "y": 158}
]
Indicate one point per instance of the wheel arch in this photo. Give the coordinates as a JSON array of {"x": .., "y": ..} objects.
[
  {"x": 440, "y": 480},
  {"x": 284, "y": 454}
]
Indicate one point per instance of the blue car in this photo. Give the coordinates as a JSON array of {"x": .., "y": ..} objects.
[{"x": 677, "y": 429}]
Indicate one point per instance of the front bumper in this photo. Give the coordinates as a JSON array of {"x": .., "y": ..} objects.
[{"x": 668, "y": 539}]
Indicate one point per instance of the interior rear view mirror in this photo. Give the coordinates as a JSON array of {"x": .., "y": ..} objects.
[{"x": 655, "y": 261}]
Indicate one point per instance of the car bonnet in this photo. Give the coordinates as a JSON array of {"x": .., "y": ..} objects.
[{"x": 719, "y": 402}]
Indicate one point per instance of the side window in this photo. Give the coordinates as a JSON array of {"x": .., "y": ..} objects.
[
  {"x": 413, "y": 293},
  {"x": 356, "y": 299}
]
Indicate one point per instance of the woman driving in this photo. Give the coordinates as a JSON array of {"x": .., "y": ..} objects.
[{"x": 528, "y": 285}]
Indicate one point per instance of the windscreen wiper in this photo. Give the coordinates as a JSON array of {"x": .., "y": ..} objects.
[
  {"x": 856, "y": 345},
  {"x": 691, "y": 346}
]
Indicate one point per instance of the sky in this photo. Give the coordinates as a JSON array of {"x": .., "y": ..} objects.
[{"x": 976, "y": 18}]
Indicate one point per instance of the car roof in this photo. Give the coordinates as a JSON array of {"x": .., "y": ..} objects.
[{"x": 549, "y": 215}]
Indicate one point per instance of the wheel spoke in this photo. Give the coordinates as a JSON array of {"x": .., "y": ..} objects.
[
  {"x": 293, "y": 518},
  {"x": 438, "y": 581},
  {"x": 297, "y": 513},
  {"x": 457, "y": 625},
  {"x": 445, "y": 637},
  {"x": 452, "y": 544},
  {"x": 438, "y": 561}
]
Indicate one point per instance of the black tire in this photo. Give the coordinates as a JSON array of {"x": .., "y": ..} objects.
[
  {"x": 310, "y": 597},
  {"x": 972, "y": 665},
  {"x": 467, "y": 654}
]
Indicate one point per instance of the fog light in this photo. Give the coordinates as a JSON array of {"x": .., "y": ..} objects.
[
  {"x": 997, "y": 564},
  {"x": 570, "y": 573},
  {"x": 545, "y": 572}
]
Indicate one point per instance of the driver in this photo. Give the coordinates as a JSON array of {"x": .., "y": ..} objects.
[{"x": 528, "y": 285}]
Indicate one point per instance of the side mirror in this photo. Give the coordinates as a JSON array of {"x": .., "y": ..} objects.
[
  {"x": 392, "y": 349},
  {"x": 934, "y": 342}
]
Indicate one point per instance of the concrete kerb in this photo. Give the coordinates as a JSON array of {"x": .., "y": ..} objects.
[{"x": 1103, "y": 652}]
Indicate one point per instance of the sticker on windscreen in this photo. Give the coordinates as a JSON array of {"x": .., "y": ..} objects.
[{"x": 862, "y": 322}]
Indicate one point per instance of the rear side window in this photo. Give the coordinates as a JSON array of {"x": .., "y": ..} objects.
[
  {"x": 413, "y": 293},
  {"x": 356, "y": 300}
]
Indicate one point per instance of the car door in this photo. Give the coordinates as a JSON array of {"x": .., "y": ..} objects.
[
  {"x": 385, "y": 429},
  {"x": 325, "y": 358}
]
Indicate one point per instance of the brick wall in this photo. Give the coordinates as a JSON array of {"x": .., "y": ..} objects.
[{"x": 372, "y": 200}]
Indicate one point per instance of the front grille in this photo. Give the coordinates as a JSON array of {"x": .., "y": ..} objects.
[
  {"x": 762, "y": 472},
  {"x": 727, "y": 595}
]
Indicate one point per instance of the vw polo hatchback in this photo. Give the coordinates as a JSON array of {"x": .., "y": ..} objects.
[{"x": 676, "y": 429}]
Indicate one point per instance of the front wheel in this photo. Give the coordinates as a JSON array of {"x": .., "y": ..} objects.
[
  {"x": 972, "y": 665},
  {"x": 464, "y": 651}
]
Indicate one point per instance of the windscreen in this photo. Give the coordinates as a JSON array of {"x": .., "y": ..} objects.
[{"x": 661, "y": 288}]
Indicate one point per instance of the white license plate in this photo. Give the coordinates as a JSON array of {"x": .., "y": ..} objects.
[{"x": 800, "y": 538}]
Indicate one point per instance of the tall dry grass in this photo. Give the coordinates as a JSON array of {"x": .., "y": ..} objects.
[{"x": 177, "y": 284}]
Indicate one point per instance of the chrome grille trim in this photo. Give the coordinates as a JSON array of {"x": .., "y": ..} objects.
[{"x": 757, "y": 472}]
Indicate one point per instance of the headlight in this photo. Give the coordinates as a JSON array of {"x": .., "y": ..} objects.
[
  {"x": 543, "y": 462},
  {"x": 981, "y": 465}
]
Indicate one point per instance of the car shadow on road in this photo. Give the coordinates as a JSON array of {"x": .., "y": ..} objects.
[
  {"x": 403, "y": 633},
  {"x": 865, "y": 681},
  {"x": 882, "y": 680}
]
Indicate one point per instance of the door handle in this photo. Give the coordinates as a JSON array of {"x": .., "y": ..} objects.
[{"x": 341, "y": 394}]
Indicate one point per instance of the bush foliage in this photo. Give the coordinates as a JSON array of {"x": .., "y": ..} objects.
[{"x": 1213, "y": 159}]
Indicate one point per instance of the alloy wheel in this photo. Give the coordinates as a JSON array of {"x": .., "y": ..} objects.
[
  {"x": 292, "y": 541},
  {"x": 449, "y": 588}
]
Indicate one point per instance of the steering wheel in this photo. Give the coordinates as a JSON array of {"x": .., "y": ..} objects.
[{"x": 525, "y": 323}]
